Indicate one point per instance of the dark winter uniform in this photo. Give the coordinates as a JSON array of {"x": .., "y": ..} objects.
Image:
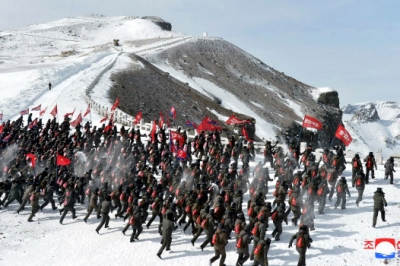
[
  {"x": 34, "y": 198},
  {"x": 167, "y": 229},
  {"x": 104, "y": 209},
  {"x": 261, "y": 253},
  {"x": 303, "y": 241},
  {"x": 389, "y": 169},
  {"x": 243, "y": 249},
  {"x": 14, "y": 193},
  {"x": 69, "y": 202},
  {"x": 219, "y": 247},
  {"x": 341, "y": 190},
  {"x": 48, "y": 197},
  {"x": 360, "y": 185},
  {"x": 92, "y": 204},
  {"x": 379, "y": 204},
  {"x": 356, "y": 167},
  {"x": 370, "y": 164}
]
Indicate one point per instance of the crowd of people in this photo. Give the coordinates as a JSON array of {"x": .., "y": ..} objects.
[{"x": 139, "y": 181}]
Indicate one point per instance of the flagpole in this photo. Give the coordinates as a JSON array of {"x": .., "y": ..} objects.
[{"x": 332, "y": 142}]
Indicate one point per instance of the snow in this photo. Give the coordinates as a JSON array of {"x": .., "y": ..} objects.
[
  {"x": 338, "y": 238},
  {"x": 315, "y": 92},
  {"x": 339, "y": 234},
  {"x": 381, "y": 135}
]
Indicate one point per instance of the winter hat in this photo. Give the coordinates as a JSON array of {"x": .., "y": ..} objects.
[{"x": 379, "y": 190}]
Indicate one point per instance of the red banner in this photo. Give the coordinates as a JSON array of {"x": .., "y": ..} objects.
[
  {"x": 32, "y": 157},
  {"x": 178, "y": 137},
  {"x": 115, "y": 105},
  {"x": 161, "y": 122},
  {"x": 138, "y": 117},
  {"x": 77, "y": 121},
  {"x": 245, "y": 134},
  {"x": 311, "y": 122},
  {"x": 61, "y": 160},
  {"x": 87, "y": 111},
  {"x": 43, "y": 111},
  {"x": 233, "y": 120},
  {"x": 54, "y": 111},
  {"x": 343, "y": 135}
]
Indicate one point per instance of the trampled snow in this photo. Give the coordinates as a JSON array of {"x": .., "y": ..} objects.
[{"x": 338, "y": 239}]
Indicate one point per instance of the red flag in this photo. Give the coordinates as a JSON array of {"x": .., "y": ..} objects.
[
  {"x": 207, "y": 127},
  {"x": 70, "y": 114},
  {"x": 311, "y": 122},
  {"x": 77, "y": 121},
  {"x": 343, "y": 135},
  {"x": 54, "y": 111},
  {"x": 178, "y": 137},
  {"x": 37, "y": 108},
  {"x": 104, "y": 118},
  {"x": 111, "y": 118},
  {"x": 25, "y": 112},
  {"x": 138, "y": 117},
  {"x": 43, "y": 111},
  {"x": 32, "y": 157},
  {"x": 107, "y": 128},
  {"x": 61, "y": 160},
  {"x": 245, "y": 134},
  {"x": 87, "y": 110},
  {"x": 233, "y": 120},
  {"x": 161, "y": 124},
  {"x": 181, "y": 154},
  {"x": 1, "y": 128},
  {"x": 209, "y": 120},
  {"x": 153, "y": 131},
  {"x": 33, "y": 124},
  {"x": 173, "y": 112},
  {"x": 115, "y": 105}
]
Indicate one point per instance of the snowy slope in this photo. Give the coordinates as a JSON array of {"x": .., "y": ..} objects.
[{"x": 383, "y": 134}]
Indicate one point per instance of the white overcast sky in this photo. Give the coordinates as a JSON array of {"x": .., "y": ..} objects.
[{"x": 352, "y": 46}]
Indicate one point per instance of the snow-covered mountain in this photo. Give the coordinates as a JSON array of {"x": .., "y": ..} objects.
[
  {"x": 375, "y": 126},
  {"x": 200, "y": 75}
]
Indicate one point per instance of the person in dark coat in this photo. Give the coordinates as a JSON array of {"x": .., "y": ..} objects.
[
  {"x": 104, "y": 208},
  {"x": 261, "y": 253},
  {"x": 48, "y": 197},
  {"x": 167, "y": 229},
  {"x": 34, "y": 198},
  {"x": 360, "y": 185},
  {"x": 92, "y": 204},
  {"x": 221, "y": 240},
  {"x": 50, "y": 86},
  {"x": 389, "y": 169},
  {"x": 242, "y": 245},
  {"x": 379, "y": 204},
  {"x": 69, "y": 202},
  {"x": 302, "y": 243},
  {"x": 14, "y": 193},
  {"x": 370, "y": 164},
  {"x": 341, "y": 190}
]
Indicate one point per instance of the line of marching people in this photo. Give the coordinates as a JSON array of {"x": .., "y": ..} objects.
[{"x": 142, "y": 181}]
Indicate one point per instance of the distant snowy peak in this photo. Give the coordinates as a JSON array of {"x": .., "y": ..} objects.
[{"x": 372, "y": 111}]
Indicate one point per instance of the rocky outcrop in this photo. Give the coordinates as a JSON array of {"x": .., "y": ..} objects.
[
  {"x": 366, "y": 114},
  {"x": 330, "y": 98},
  {"x": 159, "y": 22}
]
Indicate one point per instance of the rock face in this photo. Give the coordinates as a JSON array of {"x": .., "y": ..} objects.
[
  {"x": 366, "y": 114},
  {"x": 329, "y": 98},
  {"x": 160, "y": 22},
  {"x": 227, "y": 72}
]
